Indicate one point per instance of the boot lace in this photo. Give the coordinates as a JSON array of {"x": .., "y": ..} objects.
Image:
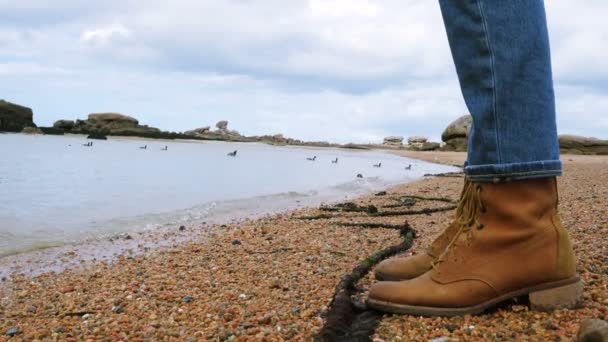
[{"x": 467, "y": 214}]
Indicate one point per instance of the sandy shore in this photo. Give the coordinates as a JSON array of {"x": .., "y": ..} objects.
[{"x": 273, "y": 278}]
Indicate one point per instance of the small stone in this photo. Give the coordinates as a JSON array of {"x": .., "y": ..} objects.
[
  {"x": 118, "y": 309},
  {"x": 295, "y": 310},
  {"x": 450, "y": 327},
  {"x": 60, "y": 330},
  {"x": 243, "y": 296},
  {"x": 236, "y": 242},
  {"x": 12, "y": 332},
  {"x": 593, "y": 330},
  {"x": 187, "y": 299},
  {"x": 182, "y": 228},
  {"x": 381, "y": 193},
  {"x": 549, "y": 325}
]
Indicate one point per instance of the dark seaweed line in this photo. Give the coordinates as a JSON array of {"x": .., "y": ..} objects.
[
  {"x": 383, "y": 213},
  {"x": 414, "y": 212},
  {"x": 345, "y": 321}
]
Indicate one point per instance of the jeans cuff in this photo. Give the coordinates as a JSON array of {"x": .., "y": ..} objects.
[{"x": 514, "y": 171}]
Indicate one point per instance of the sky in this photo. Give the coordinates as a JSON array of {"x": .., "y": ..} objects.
[{"x": 332, "y": 70}]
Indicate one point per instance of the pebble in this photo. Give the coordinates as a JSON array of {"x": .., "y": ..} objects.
[
  {"x": 12, "y": 332},
  {"x": 187, "y": 299},
  {"x": 593, "y": 330}
]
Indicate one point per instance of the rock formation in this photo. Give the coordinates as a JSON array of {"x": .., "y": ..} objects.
[
  {"x": 31, "y": 130},
  {"x": 65, "y": 125},
  {"x": 393, "y": 141},
  {"x": 107, "y": 124},
  {"x": 14, "y": 118},
  {"x": 222, "y": 125},
  {"x": 456, "y": 134},
  {"x": 575, "y": 144}
]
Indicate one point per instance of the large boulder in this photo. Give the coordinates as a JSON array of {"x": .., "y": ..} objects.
[
  {"x": 222, "y": 125},
  {"x": 199, "y": 132},
  {"x": 13, "y": 117},
  {"x": 31, "y": 130},
  {"x": 112, "y": 120},
  {"x": 575, "y": 144},
  {"x": 394, "y": 141},
  {"x": 456, "y": 134},
  {"x": 64, "y": 125},
  {"x": 109, "y": 124}
]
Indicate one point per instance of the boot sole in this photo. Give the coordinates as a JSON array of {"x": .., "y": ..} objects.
[{"x": 563, "y": 294}]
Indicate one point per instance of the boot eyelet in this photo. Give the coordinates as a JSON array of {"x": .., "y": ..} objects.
[{"x": 480, "y": 226}]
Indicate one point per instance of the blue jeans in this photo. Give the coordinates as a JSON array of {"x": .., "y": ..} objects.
[{"x": 502, "y": 57}]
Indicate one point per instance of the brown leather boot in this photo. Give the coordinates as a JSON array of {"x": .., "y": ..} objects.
[
  {"x": 403, "y": 268},
  {"x": 511, "y": 243}
]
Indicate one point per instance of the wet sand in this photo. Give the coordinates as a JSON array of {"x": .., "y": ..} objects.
[{"x": 273, "y": 278}]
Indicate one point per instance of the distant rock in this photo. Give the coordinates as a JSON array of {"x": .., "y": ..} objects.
[
  {"x": 456, "y": 134},
  {"x": 222, "y": 125},
  {"x": 51, "y": 131},
  {"x": 97, "y": 136},
  {"x": 199, "y": 132},
  {"x": 102, "y": 124},
  {"x": 64, "y": 125},
  {"x": 575, "y": 144},
  {"x": 416, "y": 140},
  {"x": 394, "y": 141},
  {"x": 428, "y": 146},
  {"x": 14, "y": 118},
  {"x": 31, "y": 130}
]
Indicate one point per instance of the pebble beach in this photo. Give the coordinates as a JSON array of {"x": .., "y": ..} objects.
[{"x": 274, "y": 278}]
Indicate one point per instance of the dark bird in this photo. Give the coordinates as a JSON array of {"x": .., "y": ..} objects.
[
  {"x": 232, "y": 154},
  {"x": 335, "y": 161},
  {"x": 378, "y": 165},
  {"x": 409, "y": 167},
  {"x": 359, "y": 175},
  {"x": 312, "y": 159},
  {"x": 145, "y": 147},
  {"x": 166, "y": 148}
]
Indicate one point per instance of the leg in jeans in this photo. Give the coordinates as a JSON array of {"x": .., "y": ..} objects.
[
  {"x": 501, "y": 52},
  {"x": 507, "y": 239}
]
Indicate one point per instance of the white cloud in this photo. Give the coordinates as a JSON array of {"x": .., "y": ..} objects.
[
  {"x": 343, "y": 70},
  {"x": 105, "y": 33}
]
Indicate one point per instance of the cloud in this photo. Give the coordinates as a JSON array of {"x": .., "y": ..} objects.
[
  {"x": 338, "y": 70},
  {"x": 105, "y": 34}
]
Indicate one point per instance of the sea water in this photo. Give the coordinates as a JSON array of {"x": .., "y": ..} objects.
[{"x": 54, "y": 190}]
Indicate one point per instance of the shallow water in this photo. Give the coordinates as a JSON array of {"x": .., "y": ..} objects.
[{"x": 54, "y": 191}]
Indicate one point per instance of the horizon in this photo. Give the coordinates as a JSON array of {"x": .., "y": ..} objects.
[{"x": 339, "y": 71}]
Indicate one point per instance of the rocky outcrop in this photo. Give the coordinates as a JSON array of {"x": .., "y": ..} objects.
[
  {"x": 394, "y": 141},
  {"x": 222, "y": 133},
  {"x": 199, "y": 132},
  {"x": 222, "y": 125},
  {"x": 14, "y": 118},
  {"x": 108, "y": 124},
  {"x": 31, "y": 130},
  {"x": 419, "y": 143},
  {"x": 456, "y": 134},
  {"x": 64, "y": 125},
  {"x": 575, "y": 144}
]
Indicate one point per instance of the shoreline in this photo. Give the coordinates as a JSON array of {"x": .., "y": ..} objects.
[
  {"x": 56, "y": 257},
  {"x": 274, "y": 277}
]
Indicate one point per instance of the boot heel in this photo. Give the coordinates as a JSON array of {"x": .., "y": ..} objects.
[{"x": 564, "y": 297}]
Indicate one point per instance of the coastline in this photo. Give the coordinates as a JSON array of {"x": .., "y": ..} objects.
[{"x": 273, "y": 277}]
